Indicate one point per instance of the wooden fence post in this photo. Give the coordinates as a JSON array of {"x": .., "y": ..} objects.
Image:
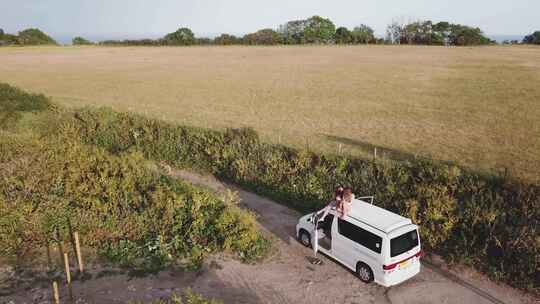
[
  {"x": 49, "y": 259},
  {"x": 68, "y": 275},
  {"x": 60, "y": 247},
  {"x": 71, "y": 236},
  {"x": 79, "y": 254},
  {"x": 56, "y": 296}
]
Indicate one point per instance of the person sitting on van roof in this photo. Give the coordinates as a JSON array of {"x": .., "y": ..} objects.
[
  {"x": 336, "y": 202},
  {"x": 346, "y": 203}
]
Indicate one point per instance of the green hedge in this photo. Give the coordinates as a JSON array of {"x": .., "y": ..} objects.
[
  {"x": 15, "y": 102},
  {"x": 131, "y": 214},
  {"x": 490, "y": 223}
]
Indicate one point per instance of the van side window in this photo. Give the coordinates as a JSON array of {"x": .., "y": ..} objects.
[{"x": 360, "y": 236}]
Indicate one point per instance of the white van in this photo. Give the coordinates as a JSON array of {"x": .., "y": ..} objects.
[{"x": 377, "y": 244}]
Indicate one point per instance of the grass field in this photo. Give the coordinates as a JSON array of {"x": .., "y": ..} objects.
[{"x": 478, "y": 107}]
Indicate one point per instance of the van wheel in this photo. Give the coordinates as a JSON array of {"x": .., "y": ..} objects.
[
  {"x": 304, "y": 238},
  {"x": 364, "y": 273}
]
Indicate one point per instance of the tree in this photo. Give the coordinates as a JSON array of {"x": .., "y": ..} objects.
[
  {"x": 319, "y": 30},
  {"x": 363, "y": 34},
  {"x": 343, "y": 36},
  {"x": 226, "y": 39},
  {"x": 203, "y": 41},
  {"x": 1, "y": 34},
  {"x": 81, "y": 41},
  {"x": 34, "y": 36},
  {"x": 183, "y": 36},
  {"x": 533, "y": 38},
  {"x": 442, "y": 33},
  {"x": 462, "y": 35},
  {"x": 419, "y": 32},
  {"x": 263, "y": 37},
  {"x": 394, "y": 32},
  {"x": 293, "y": 31}
]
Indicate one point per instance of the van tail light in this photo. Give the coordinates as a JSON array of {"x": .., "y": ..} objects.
[
  {"x": 419, "y": 254},
  {"x": 389, "y": 267}
]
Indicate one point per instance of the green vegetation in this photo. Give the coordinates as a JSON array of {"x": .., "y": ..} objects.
[
  {"x": 182, "y": 36},
  {"x": 533, "y": 38},
  {"x": 429, "y": 33},
  {"x": 490, "y": 223},
  {"x": 31, "y": 36},
  {"x": 263, "y": 37},
  {"x": 361, "y": 34},
  {"x": 34, "y": 36},
  {"x": 14, "y": 102},
  {"x": 226, "y": 39},
  {"x": 81, "y": 41},
  {"x": 126, "y": 211},
  {"x": 319, "y": 30}
]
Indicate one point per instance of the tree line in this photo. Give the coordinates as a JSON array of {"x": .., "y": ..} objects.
[
  {"x": 313, "y": 30},
  {"x": 319, "y": 30}
]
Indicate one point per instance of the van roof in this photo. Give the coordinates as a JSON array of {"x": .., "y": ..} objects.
[{"x": 376, "y": 217}]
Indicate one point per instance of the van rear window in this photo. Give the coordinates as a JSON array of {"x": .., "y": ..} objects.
[{"x": 403, "y": 243}]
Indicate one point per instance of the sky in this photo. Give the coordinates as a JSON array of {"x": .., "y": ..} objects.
[{"x": 115, "y": 19}]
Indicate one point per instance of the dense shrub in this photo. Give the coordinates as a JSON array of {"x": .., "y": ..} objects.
[
  {"x": 227, "y": 39},
  {"x": 490, "y": 223},
  {"x": 132, "y": 215},
  {"x": 81, "y": 41},
  {"x": 262, "y": 37},
  {"x": 426, "y": 32},
  {"x": 182, "y": 36},
  {"x": 533, "y": 38},
  {"x": 34, "y": 36},
  {"x": 31, "y": 36},
  {"x": 15, "y": 102}
]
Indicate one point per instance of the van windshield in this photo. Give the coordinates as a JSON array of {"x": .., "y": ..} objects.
[{"x": 403, "y": 243}]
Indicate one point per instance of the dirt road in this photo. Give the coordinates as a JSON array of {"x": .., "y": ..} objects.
[{"x": 286, "y": 277}]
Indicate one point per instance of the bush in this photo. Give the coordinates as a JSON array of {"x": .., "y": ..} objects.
[
  {"x": 183, "y": 36},
  {"x": 133, "y": 216},
  {"x": 533, "y": 38},
  {"x": 34, "y": 36},
  {"x": 490, "y": 223},
  {"x": 81, "y": 41},
  {"x": 263, "y": 37},
  {"x": 15, "y": 102}
]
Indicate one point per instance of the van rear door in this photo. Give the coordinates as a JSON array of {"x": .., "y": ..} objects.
[{"x": 404, "y": 250}]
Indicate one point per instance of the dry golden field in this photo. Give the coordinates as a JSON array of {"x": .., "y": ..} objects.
[{"x": 478, "y": 107}]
